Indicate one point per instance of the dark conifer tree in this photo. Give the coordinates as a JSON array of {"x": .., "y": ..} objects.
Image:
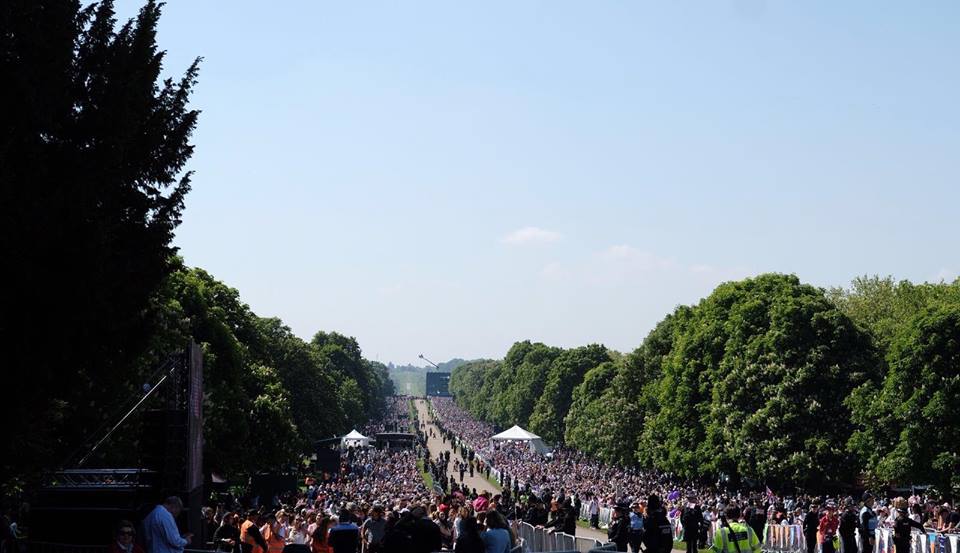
[{"x": 92, "y": 154}]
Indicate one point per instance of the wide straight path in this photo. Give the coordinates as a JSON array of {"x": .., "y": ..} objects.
[{"x": 437, "y": 446}]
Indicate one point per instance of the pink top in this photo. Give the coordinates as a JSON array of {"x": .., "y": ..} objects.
[{"x": 480, "y": 504}]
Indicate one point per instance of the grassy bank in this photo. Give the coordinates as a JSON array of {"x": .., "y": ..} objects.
[{"x": 427, "y": 477}]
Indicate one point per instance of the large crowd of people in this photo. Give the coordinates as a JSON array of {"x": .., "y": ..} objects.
[
  {"x": 563, "y": 469},
  {"x": 378, "y": 501},
  {"x": 626, "y": 491}
]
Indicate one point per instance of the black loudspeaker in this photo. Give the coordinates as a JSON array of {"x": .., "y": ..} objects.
[
  {"x": 163, "y": 448},
  {"x": 328, "y": 460}
]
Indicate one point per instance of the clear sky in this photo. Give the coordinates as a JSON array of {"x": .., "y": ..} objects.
[{"x": 449, "y": 177}]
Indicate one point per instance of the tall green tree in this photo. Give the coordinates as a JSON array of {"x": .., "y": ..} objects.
[
  {"x": 312, "y": 385},
  {"x": 467, "y": 385},
  {"x": 93, "y": 148},
  {"x": 525, "y": 370},
  {"x": 611, "y": 404},
  {"x": 909, "y": 425},
  {"x": 341, "y": 355},
  {"x": 755, "y": 386},
  {"x": 587, "y": 422},
  {"x": 565, "y": 373},
  {"x": 883, "y": 305}
]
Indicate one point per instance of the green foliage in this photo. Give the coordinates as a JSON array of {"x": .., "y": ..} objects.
[
  {"x": 909, "y": 424},
  {"x": 263, "y": 383},
  {"x": 340, "y": 356},
  {"x": 467, "y": 382},
  {"x": 883, "y": 306},
  {"x": 565, "y": 373},
  {"x": 755, "y": 384},
  {"x": 752, "y": 382},
  {"x": 522, "y": 381},
  {"x": 588, "y": 418},
  {"x": 273, "y": 435},
  {"x": 896, "y": 413},
  {"x": 610, "y": 406}
]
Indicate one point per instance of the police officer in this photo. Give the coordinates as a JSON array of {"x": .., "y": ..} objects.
[
  {"x": 619, "y": 532},
  {"x": 902, "y": 527},
  {"x": 657, "y": 532},
  {"x": 848, "y": 526},
  {"x": 810, "y": 523},
  {"x": 868, "y": 524},
  {"x": 691, "y": 519},
  {"x": 734, "y": 536},
  {"x": 636, "y": 526}
]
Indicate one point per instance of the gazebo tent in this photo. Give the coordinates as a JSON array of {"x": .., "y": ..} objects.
[
  {"x": 517, "y": 434},
  {"x": 355, "y": 439}
]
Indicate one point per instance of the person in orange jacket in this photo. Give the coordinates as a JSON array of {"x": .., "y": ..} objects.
[
  {"x": 272, "y": 535},
  {"x": 250, "y": 536}
]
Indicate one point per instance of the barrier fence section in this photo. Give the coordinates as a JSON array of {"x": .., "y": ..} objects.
[
  {"x": 537, "y": 540},
  {"x": 790, "y": 539},
  {"x": 919, "y": 542},
  {"x": 785, "y": 538},
  {"x": 606, "y": 514}
]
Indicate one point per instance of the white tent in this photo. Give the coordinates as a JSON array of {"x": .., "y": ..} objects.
[
  {"x": 517, "y": 434},
  {"x": 355, "y": 439}
]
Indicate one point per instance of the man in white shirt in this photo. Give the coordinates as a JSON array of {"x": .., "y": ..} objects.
[{"x": 594, "y": 508}]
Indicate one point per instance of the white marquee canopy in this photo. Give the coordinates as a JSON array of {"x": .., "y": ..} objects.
[
  {"x": 517, "y": 434},
  {"x": 355, "y": 439}
]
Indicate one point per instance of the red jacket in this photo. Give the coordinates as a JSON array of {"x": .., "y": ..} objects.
[
  {"x": 828, "y": 527},
  {"x": 115, "y": 548}
]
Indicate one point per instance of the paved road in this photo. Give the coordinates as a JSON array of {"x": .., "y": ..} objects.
[{"x": 436, "y": 446}]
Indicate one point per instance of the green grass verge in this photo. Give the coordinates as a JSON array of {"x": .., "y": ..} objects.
[
  {"x": 413, "y": 416},
  {"x": 427, "y": 477},
  {"x": 408, "y": 383},
  {"x": 682, "y": 546},
  {"x": 492, "y": 481}
]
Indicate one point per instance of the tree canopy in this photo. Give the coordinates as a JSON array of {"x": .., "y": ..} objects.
[
  {"x": 93, "y": 147},
  {"x": 765, "y": 380},
  {"x": 906, "y": 422}
]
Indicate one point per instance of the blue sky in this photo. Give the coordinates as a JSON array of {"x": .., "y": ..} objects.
[{"x": 448, "y": 177}]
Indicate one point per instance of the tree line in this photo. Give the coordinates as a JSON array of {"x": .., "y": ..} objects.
[
  {"x": 94, "y": 146},
  {"x": 767, "y": 380}
]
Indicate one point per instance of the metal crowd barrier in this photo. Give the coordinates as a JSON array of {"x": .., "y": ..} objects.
[
  {"x": 539, "y": 540},
  {"x": 919, "y": 542},
  {"x": 606, "y": 514},
  {"x": 790, "y": 539},
  {"x": 786, "y": 539}
]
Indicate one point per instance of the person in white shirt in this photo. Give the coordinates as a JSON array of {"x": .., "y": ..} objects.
[{"x": 594, "y": 509}]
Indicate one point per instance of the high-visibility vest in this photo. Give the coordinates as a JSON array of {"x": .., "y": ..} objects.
[
  {"x": 274, "y": 542},
  {"x": 245, "y": 536},
  {"x": 743, "y": 536}
]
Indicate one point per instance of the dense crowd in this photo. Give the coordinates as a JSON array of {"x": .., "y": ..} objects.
[
  {"x": 563, "y": 469},
  {"x": 377, "y": 501},
  {"x": 627, "y": 490}
]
